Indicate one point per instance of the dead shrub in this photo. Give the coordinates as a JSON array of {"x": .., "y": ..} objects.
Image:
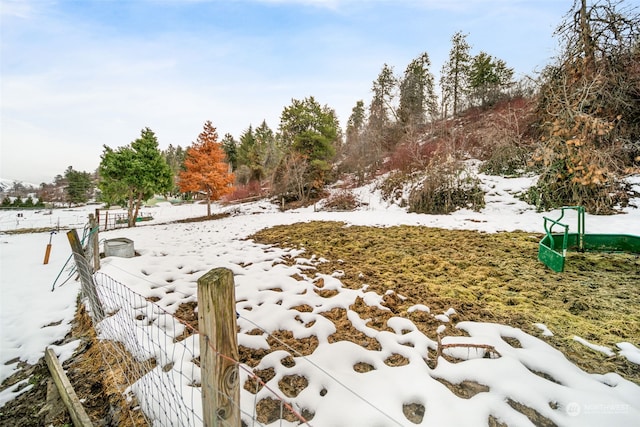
[
  {"x": 392, "y": 187},
  {"x": 411, "y": 156},
  {"x": 506, "y": 159},
  {"x": 245, "y": 191},
  {"x": 445, "y": 188},
  {"x": 578, "y": 173},
  {"x": 343, "y": 200}
]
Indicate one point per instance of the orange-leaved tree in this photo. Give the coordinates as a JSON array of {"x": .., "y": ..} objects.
[{"x": 206, "y": 169}]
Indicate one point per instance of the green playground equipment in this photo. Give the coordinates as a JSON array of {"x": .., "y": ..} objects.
[{"x": 553, "y": 247}]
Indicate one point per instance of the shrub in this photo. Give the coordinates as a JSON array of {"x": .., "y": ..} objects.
[
  {"x": 243, "y": 175},
  {"x": 343, "y": 200},
  {"x": 241, "y": 192},
  {"x": 506, "y": 159},
  {"x": 447, "y": 187},
  {"x": 392, "y": 187},
  {"x": 592, "y": 187},
  {"x": 578, "y": 172}
]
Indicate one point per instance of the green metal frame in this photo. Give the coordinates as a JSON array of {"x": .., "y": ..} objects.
[
  {"x": 552, "y": 250},
  {"x": 547, "y": 252}
]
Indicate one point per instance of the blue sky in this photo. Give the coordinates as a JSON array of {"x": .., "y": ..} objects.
[{"x": 76, "y": 75}]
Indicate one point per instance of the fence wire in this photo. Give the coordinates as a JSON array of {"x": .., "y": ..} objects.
[
  {"x": 160, "y": 371},
  {"x": 153, "y": 359}
]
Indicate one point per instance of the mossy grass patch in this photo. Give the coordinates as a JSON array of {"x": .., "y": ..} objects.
[{"x": 485, "y": 277}]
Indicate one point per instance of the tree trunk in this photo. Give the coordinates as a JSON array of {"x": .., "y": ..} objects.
[
  {"x": 587, "y": 41},
  {"x": 130, "y": 204},
  {"x": 132, "y": 219},
  {"x": 208, "y": 204}
]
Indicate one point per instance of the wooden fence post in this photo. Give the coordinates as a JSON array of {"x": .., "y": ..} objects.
[
  {"x": 86, "y": 277},
  {"x": 94, "y": 241},
  {"x": 219, "y": 348}
]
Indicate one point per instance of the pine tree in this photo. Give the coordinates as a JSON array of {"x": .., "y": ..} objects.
[
  {"x": 384, "y": 89},
  {"x": 134, "y": 173},
  {"x": 206, "y": 169},
  {"x": 417, "y": 93},
  {"x": 266, "y": 140},
  {"x": 454, "y": 76},
  {"x": 355, "y": 124},
  {"x": 174, "y": 156},
  {"x": 309, "y": 132},
  {"x": 79, "y": 186},
  {"x": 383, "y": 117},
  {"x": 230, "y": 147},
  {"x": 488, "y": 76},
  {"x": 359, "y": 152}
]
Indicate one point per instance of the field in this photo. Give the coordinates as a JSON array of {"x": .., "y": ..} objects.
[
  {"x": 486, "y": 278},
  {"x": 369, "y": 296}
]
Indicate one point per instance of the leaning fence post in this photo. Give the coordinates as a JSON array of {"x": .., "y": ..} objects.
[
  {"x": 86, "y": 277},
  {"x": 218, "y": 349},
  {"x": 94, "y": 241}
]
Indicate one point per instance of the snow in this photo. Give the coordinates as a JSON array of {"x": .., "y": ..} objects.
[
  {"x": 630, "y": 351},
  {"x": 545, "y": 330},
  {"x": 174, "y": 255},
  {"x": 602, "y": 349}
]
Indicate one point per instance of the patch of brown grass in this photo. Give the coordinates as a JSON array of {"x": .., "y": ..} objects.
[
  {"x": 485, "y": 278},
  {"x": 102, "y": 389}
]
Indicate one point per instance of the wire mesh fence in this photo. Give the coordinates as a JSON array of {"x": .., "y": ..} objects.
[
  {"x": 157, "y": 361},
  {"x": 153, "y": 358},
  {"x": 150, "y": 354}
]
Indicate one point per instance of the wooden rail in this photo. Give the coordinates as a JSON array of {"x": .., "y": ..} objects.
[{"x": 76, "y": 410}]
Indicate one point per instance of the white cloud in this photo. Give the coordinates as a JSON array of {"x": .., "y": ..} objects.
[
  {"x": 78, "y": 82},
  {"x": 17, "y": 9}
]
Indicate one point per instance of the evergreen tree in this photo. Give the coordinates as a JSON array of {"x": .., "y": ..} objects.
[
  {"x": 488, "y": 76},
  {"x": 6, "y": 202},
  {"x": 79, "y": 186},
  {"x": 267, "y": 143},
  {"x": 206, "y": 169},
  {"x": 417, "y": 93},
  {"x": 245, "y": 148},
  {"x": 174, "y": 156},
  {"x": 134, "y": 173},
  {"x": 356, "y": 124},
  {"x": 17, "y": 202},
  {"x": 359, "y": 151},
  {"x": 29, "y": 202},
  {"x": 455, "y": 72},
  {"x": 230, "y": 147},
  {"x": 384, "y": 89},
  {"x": 309, "y": 133},
  {"x": 250, "y": 154},
  {"x": 383, "y": 117}
]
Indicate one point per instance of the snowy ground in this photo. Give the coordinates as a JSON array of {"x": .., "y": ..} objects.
[{"x": 33, "y": 317}]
